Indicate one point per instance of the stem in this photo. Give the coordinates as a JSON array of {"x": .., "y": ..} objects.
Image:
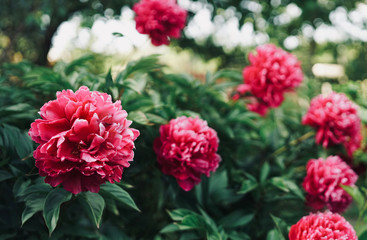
[{"x": 292, "y": 143}]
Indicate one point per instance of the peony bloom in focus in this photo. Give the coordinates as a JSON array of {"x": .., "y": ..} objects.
[
  {"x": 160, "y": 19},
  {"x": 323, "y": 180},
  {"x": 186, "y": 149},
  {"x": 322, "y": 226},
  {"x": 272, "y": 73},
  {"x": 336, "y": 121},
  {"x": 85, "y": 140}
]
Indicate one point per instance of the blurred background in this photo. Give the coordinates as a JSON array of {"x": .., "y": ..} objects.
[{"x": 328, "y": 36}]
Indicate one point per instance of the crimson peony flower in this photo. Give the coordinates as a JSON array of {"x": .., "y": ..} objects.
[
  {"x": 336, "y": 120},
  {"x": 271, "y": 73},
  {"x": 186, "y": 149},
  {"x": 85, "y": 140},
  {"x": 160, "y": 19},
  {"x": 320, "y": 226},
  {"x": 323, "y": 180}
]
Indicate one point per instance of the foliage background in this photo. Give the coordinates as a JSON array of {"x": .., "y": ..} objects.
[{"x": 255, "y": 193}]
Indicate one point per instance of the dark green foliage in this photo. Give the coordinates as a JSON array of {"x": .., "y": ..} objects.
[{"x": 254, "y": 194}]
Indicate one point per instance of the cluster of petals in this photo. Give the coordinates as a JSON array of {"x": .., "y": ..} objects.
[
  {"x": 336, "y": 121},
  {"x": 323, "y": 180},
  {"x": 160, "y": 19},
  {"x": 186, "y": 149},
  {"x": 272, "y": 72},
  {"x": 322, "y": 226},
  {"x": 85, "y": 140}
]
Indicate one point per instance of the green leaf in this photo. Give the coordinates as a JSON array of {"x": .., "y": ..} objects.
[
  {"x": 108, "y": 79},
  {"x": 39, "y": 187},
  {"x": 247, "y": 186},
  {"x": 94, "y": 205},
  {"x": 173, "y": 227},
  {"x": 155, "y": 118},
  {"x": 33, "y": 203},
  {"x": 51, "y": 209},
  {"x": 120, "y": 195},
  {"x": 179, "y": 214},
  {"x": 281, "y": 226},
  {"x": 356, "y": 194},
  {"x": 287, "y": 186},
  {"x": 232, "y": 74},
  {"x": 363, "y": 236},
  {"x": 144, "y": 65},
  {"x": 139, "y": 117},
  {"x": 24, "y": 145},
  {"x": 274, "y": 235},
  {"x": 236, "y": 219},
  {"x": 264, "y": 172},
  {"x": 136, "y": 84},
  {"x": 117, "y": 34},
  {"x": 20, "y": 186},
  {"x": 71, "y": 67},
  {"x": 4, "y": 175}
]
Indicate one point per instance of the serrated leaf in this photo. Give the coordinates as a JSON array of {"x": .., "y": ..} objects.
[
  {"x": 51, "y": 209},
  {"x": 33, "y": 203},
  {"x": 94, "y": 205},
  {"x": 120, "y": 195},
  {"x": 356, "y": 194}
]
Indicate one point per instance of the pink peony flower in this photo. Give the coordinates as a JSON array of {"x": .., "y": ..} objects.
[
  {"x": 322, "y": 226},
  {"x": 186, "y": 149},
  {"x": 85, "y": 140},
  {"x": 272, "y": 73},
  {"x": 336, "y": 121},
  {"x": 323, "y": 180},
  {"x": 160, "y": 19}
]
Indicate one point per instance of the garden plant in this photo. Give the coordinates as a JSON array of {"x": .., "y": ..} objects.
[{"x": 258, "y": 152}]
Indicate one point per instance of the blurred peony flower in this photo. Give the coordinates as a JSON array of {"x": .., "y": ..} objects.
[
  {"x": 160, "y": 19},
  {"x": 186, "y": 149},
  {"x": 323, "y": 180},
  {"x": 319, "y": 226},
  {"x": 336, "y": 121},
  {"x": 85, "y": 140},
  {"x": 272, "y": 73}
]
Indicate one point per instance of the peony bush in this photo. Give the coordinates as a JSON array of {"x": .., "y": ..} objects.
[{"x": 252, "y": 153}]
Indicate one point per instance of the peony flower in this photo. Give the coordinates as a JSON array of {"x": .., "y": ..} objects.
[
  {"x": 323, "y": 180},
  {"x": 186, "y": 149},
  {"x": 272, "y": 73},
  {"x": 85, "y": 140},
  {"x": 336, "y": 121},
  {"x": 322, "y": 226},
  {"x": 160, "y": 19}
]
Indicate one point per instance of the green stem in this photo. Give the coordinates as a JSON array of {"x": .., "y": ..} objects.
[{"x": 293, "y": 143}]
